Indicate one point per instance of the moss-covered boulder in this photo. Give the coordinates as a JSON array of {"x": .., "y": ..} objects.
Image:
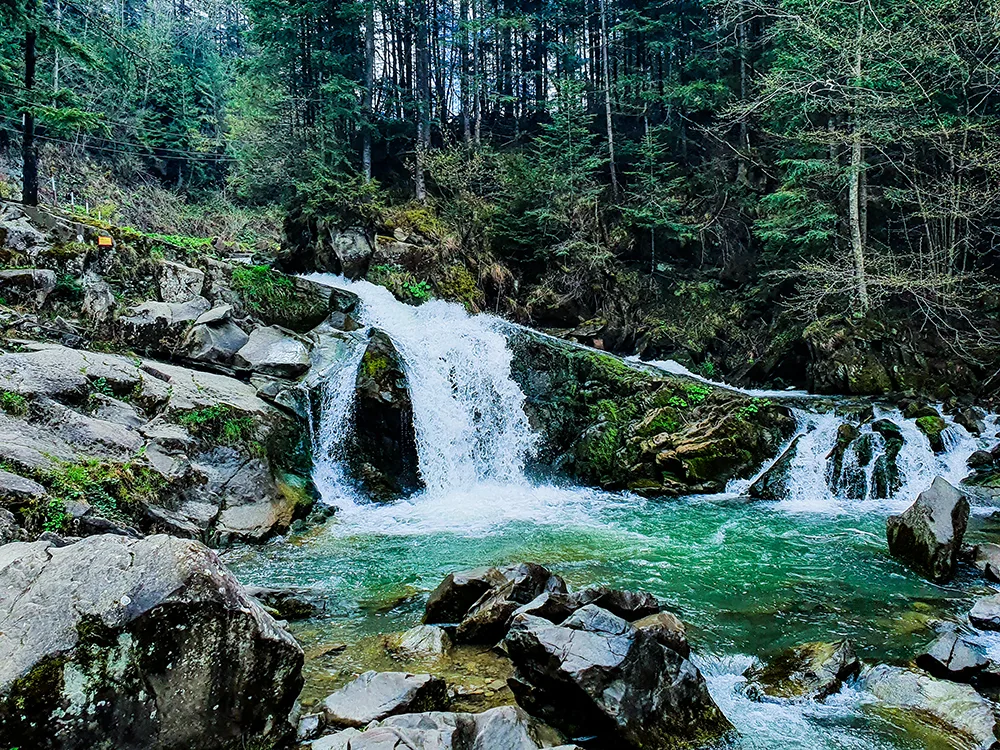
[
  {"x": 933, "y": 426},
  {"x": 137, "y": 643},
  {"x": 620, "y": 425}
]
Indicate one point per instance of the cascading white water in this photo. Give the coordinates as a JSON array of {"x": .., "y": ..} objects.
[
  {"x": 468, "y": 413},
  {"x": 809, "y": 485}
]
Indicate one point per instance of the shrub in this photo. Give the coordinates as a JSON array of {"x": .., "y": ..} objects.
[{"x": 226, "y": 426}]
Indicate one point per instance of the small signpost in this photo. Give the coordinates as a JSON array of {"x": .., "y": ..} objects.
[{"x": 105, "y": 241}]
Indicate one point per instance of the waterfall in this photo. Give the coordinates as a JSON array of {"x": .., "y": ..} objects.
[
  {"x": 468, "y": 412},
  {"x": 810, "y": 480}
]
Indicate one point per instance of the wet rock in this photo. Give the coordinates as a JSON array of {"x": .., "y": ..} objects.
[
  {"x": 309, "y": 727},
  {"x": 272, "y": 351},
  {"x": 456, "y": 594},
  {"x": 933, "y": 427},
  {"x": 773, "y": 483},
  {"x": 957, "y": 712},
  {"x": 597, "y": 675},
  {"x": 384, "y": 433},
  {"x": 376, "y": 695},
  {"x": 928, "y": 535},
  {"x": 918, "y": 409},
  {"x": 886, "y": 477},
  {"x": 137, "y": 643},
  {"x": 811, "y": 671},
  {"x": 986, "y": 557},
  {"x": 179, "y": 283},
  {"x": 971, "y": 419},
  {"x": 286, "y": 603},
  {"x": 952, "y": 657},
  {"x": 28, "y": 286},
  {"x": 502, "y": 728},
  {"x": 420, "y": 641},
  {"x": 985, "y": 613},
  {"x": 667, "y": 629},
  {"x": 980, "y": 460},
  {"x": 488, "y": 619}
]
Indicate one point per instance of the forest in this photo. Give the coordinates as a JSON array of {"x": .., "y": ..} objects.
[{"x": 640, "y": 173}]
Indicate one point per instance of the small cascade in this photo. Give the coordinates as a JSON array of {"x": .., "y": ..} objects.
[{"x": 468, "y": 413}]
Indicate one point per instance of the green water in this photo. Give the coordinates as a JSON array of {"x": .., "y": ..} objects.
[{"x": 747, "y": 578}]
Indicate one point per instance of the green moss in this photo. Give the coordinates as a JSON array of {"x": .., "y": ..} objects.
[
  {"x": 457, "y": 284},
  {"x": 374, "y": 364},
  {"x": 413, "y": 216},
  {"x": 404, "y": 285},
  {"x": 119, "y": 491},
  {"x": 13, "y": 403},
  {"x": 272, "y": 295},
  {"x": 31, "y": 699},
  {"x": 226, "y": 426},
  {"x": 931, "y": 425}
]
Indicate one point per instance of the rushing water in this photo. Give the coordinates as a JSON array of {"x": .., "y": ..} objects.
[{"x": 749, "y": 577}]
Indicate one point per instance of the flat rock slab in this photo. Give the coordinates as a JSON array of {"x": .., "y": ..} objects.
[{"x": 377, "y": 695}]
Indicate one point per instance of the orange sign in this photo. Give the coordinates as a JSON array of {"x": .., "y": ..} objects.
[{"x": 104, "y": 242}]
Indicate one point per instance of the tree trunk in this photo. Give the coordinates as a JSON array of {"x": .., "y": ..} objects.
[
  {"x": 607, "y": 98},
  {"x": 366, "y": 155},
  {"x": 854, "y": 185},
  {"x": 29, "y": 151},
  {"x": 741, "y": 30},
  {"x": 463, "y": 36},
  {"x": 423, "y": 101}
]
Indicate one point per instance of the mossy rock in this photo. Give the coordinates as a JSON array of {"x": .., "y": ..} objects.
[{"x": 933, "y": 427}]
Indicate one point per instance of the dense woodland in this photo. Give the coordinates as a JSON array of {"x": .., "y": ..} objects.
[{"x": 660, "y": 170}]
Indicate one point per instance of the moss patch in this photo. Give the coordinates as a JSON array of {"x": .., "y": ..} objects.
[{"x": 223, "y": 425}]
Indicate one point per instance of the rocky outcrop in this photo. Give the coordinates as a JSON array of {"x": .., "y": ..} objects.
[
  {"x": 456, "y": 594},
  {"x": 27, "y": 286},
  {"x": 376, "y": 695},
  {"x": 874, "y": 356},
  {"x": 953, "y": 657},
  {"x": 811, "y": 671},
  {"x": 597, "y": 675},
  {"x": 385, "y": 452},
  {"x": 637, "y": 428},
  {"x": 179, "y": 283},
  {"x": 956, "y": 713},
  {"x": 928, "y": 535},
  {"x": 161, "y": 648},
  {"x": 502, "y": 728},
  {"x": 214, "y": 338},
  {"x": 985, "y": 613},
  {"x": 147, "y": 445},
  {"x": 160, "y": 327}
]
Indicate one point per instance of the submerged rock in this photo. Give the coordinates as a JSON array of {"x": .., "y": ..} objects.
[
  {"x": 376, "y": 695},
  {"x": 962, "y": 716},
  {"x": 598, "y": 675},
  {"x": 137, "y": 643},
  {"x": 952, "y": 657},
  {"x": 928, "y": 535},
  {"x": 810, "y": 671},
  {"x": 420, "y": 641}
]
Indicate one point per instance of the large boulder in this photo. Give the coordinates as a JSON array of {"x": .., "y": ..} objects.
[
  {"x": 597, "y": 675},
  {"x": 811, "y": 671},
  {"x": 28, "y": 286},
  {"x": 385, "y": 452},
  {"x": 215, "y": 338},
  {"x": 376, "y": 695},
  {"x": 352, "y": 250},
  {"x": 160, "y": 326},
  {"x": 489, "y": 617},
  {"x": 179, "y": 283},
  {"x": 502, "y": 728},
  {"x": 928, "y": 535},
  {"x": 957, "y": 713},
  {"x": 985, "y": 613},
  {"x": 456, "y": 594},
  {"x": 273, "y": 351},
  {"x": 137, "y": 643}
]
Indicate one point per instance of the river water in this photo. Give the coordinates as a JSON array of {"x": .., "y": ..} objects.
[{"x": 748, "y": 577}]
